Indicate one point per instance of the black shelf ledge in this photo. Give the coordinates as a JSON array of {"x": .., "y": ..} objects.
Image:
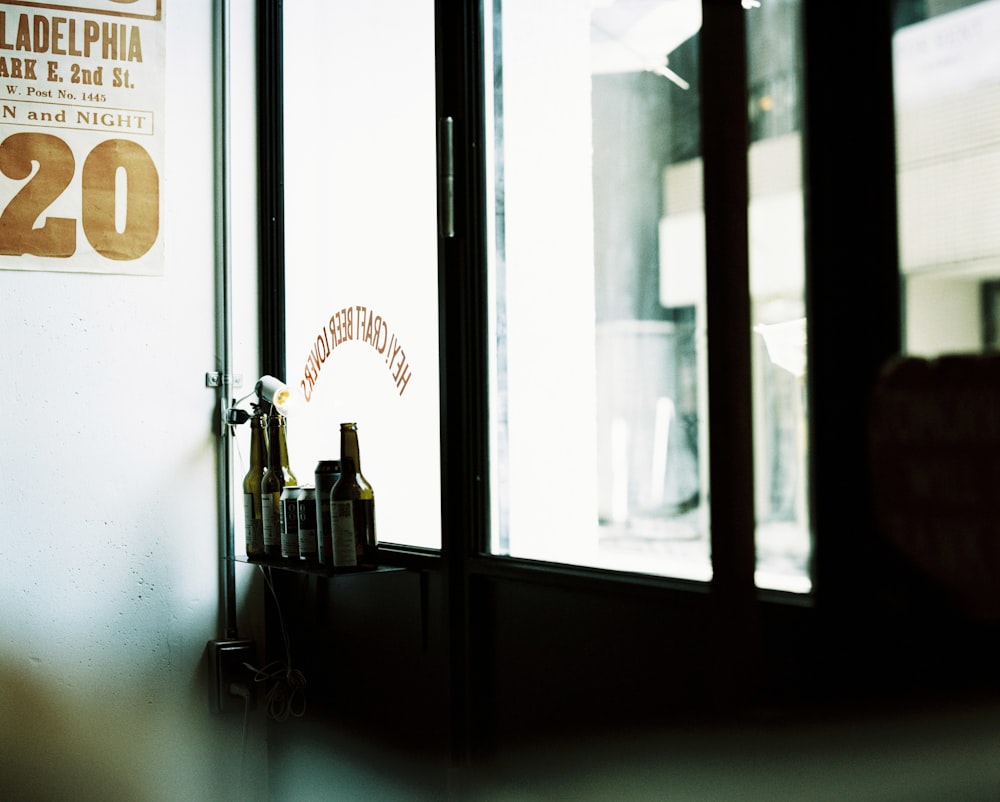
[{"x": 301, "y": 567}]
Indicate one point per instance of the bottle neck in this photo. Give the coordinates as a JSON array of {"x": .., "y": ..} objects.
[
  {"x": 274, "y": 443},
  {"x": 282, "y": 442},
  {"x": 283, "y": 452},
  {"x": 256, "y": 442},
  {"x": 349, "y": 448}
]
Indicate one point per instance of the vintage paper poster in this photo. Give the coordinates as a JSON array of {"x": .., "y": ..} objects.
[{"x": 82, "y": 136}]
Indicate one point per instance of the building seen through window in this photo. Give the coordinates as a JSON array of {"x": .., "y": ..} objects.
[
  {"x": 947, "y": 92},
  {"x": 600, "y": 393}
]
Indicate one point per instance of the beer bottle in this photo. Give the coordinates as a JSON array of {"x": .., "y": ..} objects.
[
  {"x": 271, "y": 485},
  {"x": 252, "y": 511},
  {"x": 352, "y": 506},
  {"x": 286, "y": 471}
]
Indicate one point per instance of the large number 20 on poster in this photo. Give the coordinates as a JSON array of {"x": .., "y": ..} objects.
[{"x": 81, "y": 136}]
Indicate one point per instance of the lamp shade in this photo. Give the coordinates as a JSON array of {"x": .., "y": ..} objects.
[{"x": 275, "y": 392}]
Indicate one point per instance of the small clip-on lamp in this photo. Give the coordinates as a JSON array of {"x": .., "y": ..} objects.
[
  {"x": 269, "y": 390},
  {"x": 275, "y": 392}
]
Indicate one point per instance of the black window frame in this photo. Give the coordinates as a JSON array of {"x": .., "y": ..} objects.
[{"x": 850, "y": 202}]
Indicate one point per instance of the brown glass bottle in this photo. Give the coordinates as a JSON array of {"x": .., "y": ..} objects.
[
  {"x": 271, "y": 485},
  {"x": 286, "y": 470},
  {"x": 353, "y": 488},
  {"x": 252, "y": 511}
]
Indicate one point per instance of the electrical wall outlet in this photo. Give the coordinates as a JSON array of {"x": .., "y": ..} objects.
[{"x": 228, "y": 678}]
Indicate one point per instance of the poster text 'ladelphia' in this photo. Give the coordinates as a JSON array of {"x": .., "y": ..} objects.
[{"x": 66, "y": 36}]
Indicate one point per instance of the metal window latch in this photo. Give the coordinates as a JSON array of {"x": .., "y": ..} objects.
[
  {"x": 446, "y": 177},
  {"x": 216, "y": 379}
]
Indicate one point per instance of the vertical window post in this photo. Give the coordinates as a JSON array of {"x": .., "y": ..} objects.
[
  {"x": 724, "y": 145},
  {"x": 270, "y": 123},
  {"x": 852, "y": 283}
]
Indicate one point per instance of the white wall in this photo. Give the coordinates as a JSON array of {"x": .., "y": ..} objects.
[{"x": 109, "y": 577}]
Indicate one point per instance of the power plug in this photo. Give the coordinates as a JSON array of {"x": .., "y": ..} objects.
[{"x": 230, "y": 682}]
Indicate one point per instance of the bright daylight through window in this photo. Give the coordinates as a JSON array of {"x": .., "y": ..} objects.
[
  {"x": 599, "y": 396},
  {"x": 361, "y": 318}
]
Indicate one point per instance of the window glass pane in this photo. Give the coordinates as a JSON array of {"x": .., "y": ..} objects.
[
  {"x": 599, "y": 392},
  {"x": 777, "y": 287},
  {"x": 947, "y": 93},
  {"x": 361, "y": 250},
  {"x": 600, "y": 380}
]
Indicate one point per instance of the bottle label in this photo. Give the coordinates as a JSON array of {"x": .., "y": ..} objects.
[
  {"x": 272, "y": 521},
  {"x": 254, "y": 527},
  {"x": 345, "y": 551}
]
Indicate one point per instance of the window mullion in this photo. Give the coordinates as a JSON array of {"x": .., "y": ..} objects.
[
  {"x": 270, "y": 144},
  {"x": 724, "y": 147},
  {"x": 464, "y": 418}
]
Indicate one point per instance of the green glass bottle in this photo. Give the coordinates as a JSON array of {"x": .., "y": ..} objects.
[
  {"x": 252, "y": 510},
  {"x": 286, "y": 470},
  {"x": 352, "y": 507},
  {"x": 271, "y": 485}
]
